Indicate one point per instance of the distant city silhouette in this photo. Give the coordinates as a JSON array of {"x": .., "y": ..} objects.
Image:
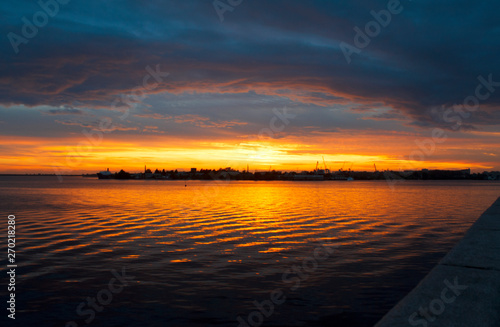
[{"x": 315, "y": 175}]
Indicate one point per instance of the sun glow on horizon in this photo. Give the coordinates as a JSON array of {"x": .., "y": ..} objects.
[{"x": 56, "y": 156}]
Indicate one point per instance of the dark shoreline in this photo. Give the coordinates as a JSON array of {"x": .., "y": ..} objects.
[
  {"x": 470, "y": 273},
  {"x": 393, "y": 176}
]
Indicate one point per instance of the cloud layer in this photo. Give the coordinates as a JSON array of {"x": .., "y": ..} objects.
[{"x": 224, "y": 78}]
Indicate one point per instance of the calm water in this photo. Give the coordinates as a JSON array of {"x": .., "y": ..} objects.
[{"x": 202, "y": 254}]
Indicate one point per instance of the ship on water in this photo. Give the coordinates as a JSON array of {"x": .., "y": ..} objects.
[{"x": 106, "y": 174}]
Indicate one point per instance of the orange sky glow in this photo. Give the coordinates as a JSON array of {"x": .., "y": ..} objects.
[{"x": 76, "y": 155}]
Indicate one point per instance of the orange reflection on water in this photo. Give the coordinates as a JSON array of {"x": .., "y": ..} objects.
[
  {"x": 181, "y": 260},
  {"x": 163, "y": 222}
]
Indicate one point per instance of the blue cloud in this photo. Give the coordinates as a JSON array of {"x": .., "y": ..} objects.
[{"x": 428, "y": 57}]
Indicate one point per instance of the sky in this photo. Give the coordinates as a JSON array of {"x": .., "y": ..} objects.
[{"x": 91, "y": 85}]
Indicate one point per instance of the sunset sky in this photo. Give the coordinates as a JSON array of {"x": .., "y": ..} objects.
[{"x": 167, "y": 84}]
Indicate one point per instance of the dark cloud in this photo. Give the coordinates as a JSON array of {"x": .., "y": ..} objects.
[
  {"x": 393, "y": 115},
  {"x": 428, "y": 57},
  {"x": 64, "y": 111}
]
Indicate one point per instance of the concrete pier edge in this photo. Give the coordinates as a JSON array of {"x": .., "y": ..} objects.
[{"x": 464, "y": 288}]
